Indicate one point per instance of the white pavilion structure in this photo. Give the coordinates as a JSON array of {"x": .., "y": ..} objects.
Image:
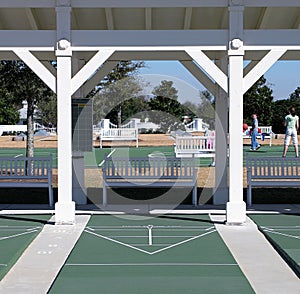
[{"x": 211, "y": 38}]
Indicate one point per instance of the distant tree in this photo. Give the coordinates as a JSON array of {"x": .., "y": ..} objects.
[
  {"x": 258, "y": 99},
  {"x": 122, "y": 70},
  {"x": 8, "y": 112},
  {"x": 20, "y": 81},
  {"x": 168, "y": 113},
  {"x": 280, "y": 110},
  {"x": 166, "y": 89},
  {"x": 111, "y": 99},
  {"x": 206, "y": 109},
  {"x": 132, "y": 107},
  {"x": 47, "y": 111}
]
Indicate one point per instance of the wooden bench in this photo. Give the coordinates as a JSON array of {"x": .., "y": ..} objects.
[
  {"x": 265, "y": 133},
  {"x": 195, "y": 146},
  {"x": 149, "y": 172},
  {"x": 271, "y": 172},
  {"x": 119, "y": 134},
  {"x": 27, "y": 172}
]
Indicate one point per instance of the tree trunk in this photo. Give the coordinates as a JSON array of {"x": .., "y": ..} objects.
[{"x": 30, "y": 129}]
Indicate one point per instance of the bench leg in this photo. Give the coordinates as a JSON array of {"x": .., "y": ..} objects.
[
  {"x": 195, "y": 196},
  {"x": 50, "y": 191},
  {"x": 249, "y": 195},
  {"x": 104, "y": 199}
]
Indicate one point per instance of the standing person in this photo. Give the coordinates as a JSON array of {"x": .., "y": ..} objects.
[
  {"x": 254, "y": 143},
  {"x": 291, "y": 123}
]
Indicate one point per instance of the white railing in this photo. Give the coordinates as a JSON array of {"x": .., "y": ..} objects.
[
  {"x": 197, "y": 125},
  {"x": 119, "y": 134},
  {"x": 265, "y": 133},
  {"x": 197, "y": 146}
]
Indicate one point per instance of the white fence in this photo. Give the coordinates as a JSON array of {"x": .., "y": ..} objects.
[
  {"x": 197, "y": 146},
  {"x": 197, "y": 125},
  {"x": 119, "y": 134},
  {"x": 265, "y": 133}
]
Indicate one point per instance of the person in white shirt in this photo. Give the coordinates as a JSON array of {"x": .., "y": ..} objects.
[{"x": 291, "y": 123}]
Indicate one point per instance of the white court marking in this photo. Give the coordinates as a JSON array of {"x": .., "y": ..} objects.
[
  {"x": 17, "y": 235},
  {"x": 150, "y": 239},
  {"x": 109, "y": 155},
  {"x": 151, "y": 264},
  {"x": 282, "y": 234}
]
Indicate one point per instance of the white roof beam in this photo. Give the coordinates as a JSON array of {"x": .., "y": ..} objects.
[
  {"x": 213, "y": 38},
  {"x": 109, "y": 19},
  {"x": 261, "y": 68},
  {"x": 259, "y": 39},
  {"x": 90, "y": 68},
  {"x": 38, "y": 68},
  {"x": 152, "y": 3},
  {"x": 103, "y": 71},
  {"x": 209, "y": 67},
  {"x": 200, "y": 76},
  {"x": 148, "y": 18}
]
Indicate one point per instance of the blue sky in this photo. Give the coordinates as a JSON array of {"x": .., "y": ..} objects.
[{"x": 283, "y": 78}]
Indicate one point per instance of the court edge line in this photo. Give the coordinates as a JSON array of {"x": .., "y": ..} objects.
[
  {"x": 282, "y": 234},
  {"x": 17, "y": 235},
  {"x": 154, "y": 252}
]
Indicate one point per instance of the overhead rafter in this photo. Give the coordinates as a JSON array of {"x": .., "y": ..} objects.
[
  {"x": 187, "y": 18},
  {"x": 109, "y": 19},
  {"x": 263, "y": 18},
  {"x": 32, "y": 19},
  {"x": 148, "y": 18}
]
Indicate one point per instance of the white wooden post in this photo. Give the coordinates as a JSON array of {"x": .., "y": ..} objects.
[
  {"x": 65, "y": 207},
  {"x": 221, "y": 123},
  {"x": 78, "y": 181},
  {"x": 236, "y": 207}
]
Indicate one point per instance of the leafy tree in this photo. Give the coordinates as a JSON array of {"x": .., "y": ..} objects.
[
  {"x": 122, "y": 70},
  {"x": 47, "y": 111},
  {"x": 280, "y": 110},
  {"x": 8, "y": 112},
  {"x": 108, "y": 101},
  {"x": 258, "y": 99},
  {"x": 206, "y": 109},
  {"x": 133, "y": 107},
  {"x": 20, "y": 81},
  {"x": 166, "y": 89},
  {"x": 167, "y": 113}
]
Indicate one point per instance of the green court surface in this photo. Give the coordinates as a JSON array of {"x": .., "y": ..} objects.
[
  {"x": 283, "y": 232},
  {"x": 96, "y": 157},
  {"x": 16, "y": 233},
  {"x": 136, "y": 254}
]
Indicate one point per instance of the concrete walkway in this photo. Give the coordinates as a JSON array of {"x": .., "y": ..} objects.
[
  {"x": 261, "y": 264},
  {"x": 36, "y": 270}
]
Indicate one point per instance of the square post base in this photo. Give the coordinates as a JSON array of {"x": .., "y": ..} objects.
[
  {"x": 65, "y": 213},
  {"x": 235, "y": 213}
]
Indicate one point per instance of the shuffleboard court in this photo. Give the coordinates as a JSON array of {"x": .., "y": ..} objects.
[
  {"x": 136, "y": 254},
  {"x": 16, "y": 233},
  {"x": 283, "y": 232}
]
